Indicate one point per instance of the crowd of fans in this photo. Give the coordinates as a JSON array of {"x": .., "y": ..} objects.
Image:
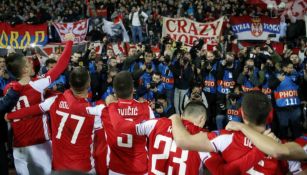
[
  {"x": 39, "y": 11},
  {"x": 175, "y": 76}
]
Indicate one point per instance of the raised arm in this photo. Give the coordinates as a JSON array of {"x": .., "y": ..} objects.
[
  {"x": 62, "y": 62},
  {"x": 184, "y": 140},
  {"x": 34, "y": 110},
  {"x": 290, "y": 150}
]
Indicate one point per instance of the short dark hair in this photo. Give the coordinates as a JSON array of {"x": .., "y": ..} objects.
[
  {"x": 157, "y": 73},
  {"x": 285, "y": 63},
  {"x": 194, "y": 109},
  {"x": 50, "y": 61},
  {"x": 15, "y": 63},
  {"x": 256, "y": 107},
  {"x": 161, "y": 96},
  {"x": 123, "y": 84},
  {"x": 79, "y": 78}
]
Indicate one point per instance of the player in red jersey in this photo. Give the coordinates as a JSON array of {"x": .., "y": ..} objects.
[
  {"x": 285, "y": 151},
  {"x": 30, "y": 136},
  {"x": 289, "y": 150},
  {"x": 255, "y": 109},
  {"x": 128, "y": 154},
  {"x": 72, "y": 124},
  {"x": 164, "y": 156}
]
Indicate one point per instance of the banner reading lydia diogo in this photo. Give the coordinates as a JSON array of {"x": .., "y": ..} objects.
[
  {"x": 22, "y": 35},
  {"x": 259, "y": 28},
  {"x": 188, "y": 31}
]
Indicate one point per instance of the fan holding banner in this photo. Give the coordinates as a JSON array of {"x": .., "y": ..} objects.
[{"x": 78, "y": 28}]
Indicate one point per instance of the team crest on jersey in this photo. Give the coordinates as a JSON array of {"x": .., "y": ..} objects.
[{"x": 256, "y": 27}]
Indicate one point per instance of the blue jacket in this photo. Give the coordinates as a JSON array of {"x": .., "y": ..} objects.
[
  {"x": 167, "y": 76},
  {"x": 108, "y": 92},
  {"x": 286, "y": 93}
]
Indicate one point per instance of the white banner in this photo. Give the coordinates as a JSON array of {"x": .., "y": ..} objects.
[
  {"x": 115, "y": 29},
  {"x": 259, "y": 28},
  {"x": 188, "y": 31},
  {"x": 78, "y": 28}
]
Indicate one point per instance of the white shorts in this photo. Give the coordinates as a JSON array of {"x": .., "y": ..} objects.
[{"x": 33, "y": 160}]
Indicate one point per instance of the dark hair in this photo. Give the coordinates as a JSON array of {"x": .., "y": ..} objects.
[
  {"x": 161, "y": 96},
  {"x": 15, "y": 62},
  {"x": 285, "y": 63},
  {"x": 196, "y": 85},
  {"x": 256, "y": 106},
  {"x": 230, "y": 54},
  {"x": 194, "y": 109},
  {"x": 157, "y": 73},
  {"x": 50, "y": 61},
  {"x": 123, "y": 84},
  {"x": 79, "y": 78}
]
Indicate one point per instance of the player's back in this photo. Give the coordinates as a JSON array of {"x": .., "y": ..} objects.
[
  {"x": 128, "y": 152},
  {"x": 34, "y": 130},
  {"x": 165, "y": 156},
  {"x": 72, "y": 133},
  {"x": 234, "y": 145}
]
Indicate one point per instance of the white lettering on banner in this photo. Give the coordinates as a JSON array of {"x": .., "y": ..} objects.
[
  {"x": 188, "y": 31},
  {"x": 241, "y": 27},
  {"x": 258, "y": 28},
  {"x": 271, "y": 28}
]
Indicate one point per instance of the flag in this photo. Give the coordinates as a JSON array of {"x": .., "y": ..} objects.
[
  {"x": 259, "y": 28},
  {"x": 78, "y": 28},
  {"x": 116, "y": 30},
  {"x": 294, "y": 8}
]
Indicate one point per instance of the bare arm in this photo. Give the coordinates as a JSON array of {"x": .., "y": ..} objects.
[{"x": 184, "y": 140}]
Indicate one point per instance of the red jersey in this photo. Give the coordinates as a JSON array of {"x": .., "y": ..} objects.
[
  {"x": 72, "y": 132},
  {"x": 73, "y": 128},
  {"x": 164, "y": 155},
  {"x": 217, "y": 165},
  {"x": 128, "y": 154},
  {"x": 35, "y": 130},
  {"x": 235, "y": 145}
]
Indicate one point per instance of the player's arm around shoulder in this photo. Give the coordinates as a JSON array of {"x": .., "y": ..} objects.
[
  {"x": 269, "y": 143},
  {"x": 187, "y": 141}
]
